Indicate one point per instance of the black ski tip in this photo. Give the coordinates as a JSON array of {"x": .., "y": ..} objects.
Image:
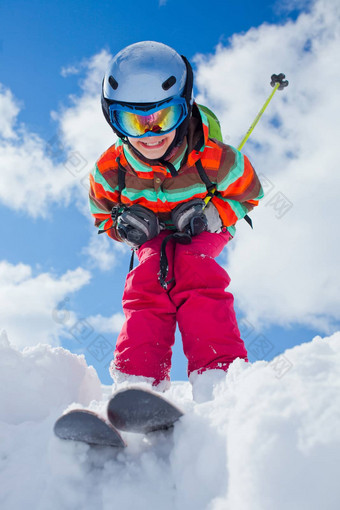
[
  {"x": 138, "y": 410},
  {"x": 87, "y": 427}
]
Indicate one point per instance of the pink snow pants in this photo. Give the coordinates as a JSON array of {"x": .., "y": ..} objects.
[{"x": 196, "y": 299}]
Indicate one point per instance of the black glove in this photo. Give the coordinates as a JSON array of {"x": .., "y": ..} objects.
[
  {"x": 189, "y": 217},
  {"x": 136, "y": 225},
  {"x": 194, "y": 217}
]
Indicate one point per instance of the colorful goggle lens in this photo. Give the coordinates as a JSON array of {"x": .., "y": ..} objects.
[{"x": 149, "y": 123}]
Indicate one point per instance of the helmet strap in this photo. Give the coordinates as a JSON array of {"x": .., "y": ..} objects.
[{"x": 189, "y": 83}]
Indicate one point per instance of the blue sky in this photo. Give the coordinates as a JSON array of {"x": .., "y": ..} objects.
[
  {"x": 39, "y": 38},
  {"x": 44, "y": 238}
]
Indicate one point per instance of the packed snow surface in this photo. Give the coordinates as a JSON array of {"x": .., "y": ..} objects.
[{"x": 265, "y": 436}]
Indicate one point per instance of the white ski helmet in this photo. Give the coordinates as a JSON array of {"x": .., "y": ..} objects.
[{"x": 147, "y": 72}]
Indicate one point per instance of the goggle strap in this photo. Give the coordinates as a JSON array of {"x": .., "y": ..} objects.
[{"x": 189, "y": 83}]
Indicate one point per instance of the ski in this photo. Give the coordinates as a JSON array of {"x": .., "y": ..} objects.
[
  {"x": 87, "y": 427},
  {"x": 142, "y": 411}
]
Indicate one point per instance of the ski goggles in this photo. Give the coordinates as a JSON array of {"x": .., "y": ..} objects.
[{"x": 159, "y": 119}]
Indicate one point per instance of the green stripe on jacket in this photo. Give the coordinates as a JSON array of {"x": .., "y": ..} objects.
[
  {"x": 168, "y": 195},
  {"x": 239, "y": 209}
]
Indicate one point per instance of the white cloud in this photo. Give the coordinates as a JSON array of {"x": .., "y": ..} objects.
[
  {"x": 29, "y": 179},
  {"x": 30, "y": 308},
  {"x": 69, "y": 71},
  {"x": 83, "y": 128},
  {"x": 104, "y": 252},
  {"x": 286, "y": 270},
  {"x": 9, "y": 110},
  {"x": 111, "y": 324},
  {"x": 36, "y": 308}
]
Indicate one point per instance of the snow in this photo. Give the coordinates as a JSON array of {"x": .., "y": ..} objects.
[{"x": 264, "y": 436}]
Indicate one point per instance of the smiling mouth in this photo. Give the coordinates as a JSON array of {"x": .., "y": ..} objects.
[{"x": 153, "y": 145}]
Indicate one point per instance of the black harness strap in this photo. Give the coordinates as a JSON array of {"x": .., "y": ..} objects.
[
  {"x": 203, "y": 175},
  {"x": 248, "y": 220},
  {"x": 170, "y": 167},
  {"x": 177, "y": 237},
  {"x": 121, "y": 187},
  {"x": 210, "y": 186},
  {"x": 121, "y": 176},
  {"x": 132, "y": 259}
]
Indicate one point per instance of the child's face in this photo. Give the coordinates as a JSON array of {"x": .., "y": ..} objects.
[{"x": 153, "y": 147}]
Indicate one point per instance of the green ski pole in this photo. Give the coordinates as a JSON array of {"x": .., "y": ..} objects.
[{"x": 279, "y": 83}]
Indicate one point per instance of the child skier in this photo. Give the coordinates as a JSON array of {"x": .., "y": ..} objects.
[{"x": 148, "y": 190}]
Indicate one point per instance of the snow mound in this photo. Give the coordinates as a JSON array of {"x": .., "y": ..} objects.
[
  {"x": 42, "y": 380},
  {"x": 263, "y": 436}
]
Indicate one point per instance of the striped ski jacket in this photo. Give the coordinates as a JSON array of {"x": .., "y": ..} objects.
[{"x": 161, "y": 188}]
